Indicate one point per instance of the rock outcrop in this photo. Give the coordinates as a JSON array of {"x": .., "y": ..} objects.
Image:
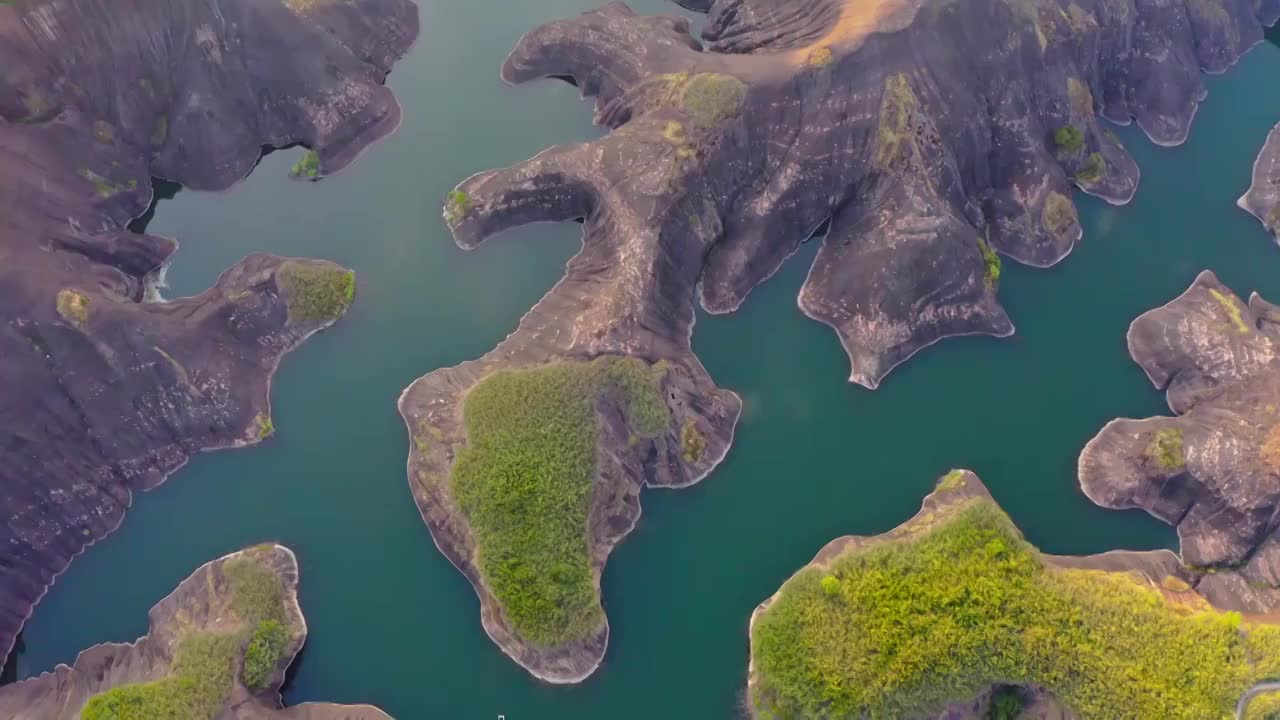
[
  {"x": 1214, "y": 469},
  {"x": 205, "y": 604},
  {"x": 1263, "y": 199},
  {"x": 928, "y": 139},
  {"x": 107, "y": 391},
  {"x": 1093, "y": 594}
]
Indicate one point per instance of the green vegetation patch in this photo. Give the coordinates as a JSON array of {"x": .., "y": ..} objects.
[
  {"x": 105, "y": 187},
  {"x": 708, "y": 98},
  {"x": 262, "y": 657},
  {"x": 73, "y": 306},
  {"x": 266, "y": 428},
  {"x": 198, "y": 683},
  {"x": 965, "y": 604},
  {"x": 952, "y": 480},
  {"x": 316, "y": 292},
  {"x": 525, "y": 480},
  {"x": 991, "y": 264},
  {"x": 1069, "y": 139},
  {"x": 1263, "y": 707},
  {"x": 1229, "y": 304},
  {"x": 1006, "y": 703},
  {"x": 692, "y": 442},
  {"x": 308, "y": 167},
  {"x": 200, "y": 677},
  {"x": 1058, "y": 215},
  {"x": 1094, "y": 168},
  {"x": 456, "y": 205},
  {"x": 897, "y": 108},
  {"x": 1165, "y": 449},
  {"x": 819, "y": 57}
]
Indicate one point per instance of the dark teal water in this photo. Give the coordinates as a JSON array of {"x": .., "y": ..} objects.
[{"x": 394, "y": 624}]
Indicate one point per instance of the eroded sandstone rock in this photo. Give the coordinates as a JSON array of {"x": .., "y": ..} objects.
[{"x": 105, "y": 391}]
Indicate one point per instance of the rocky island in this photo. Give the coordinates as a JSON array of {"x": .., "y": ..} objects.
[
  {"x": 1213, "y": 470},
  {"x": 218, "y": 646},
  {"x": 106, "y": 389},
  {"x": 953, "y": 611},
  {"x": 1263, "y": 198},
  {"x": 922, "y": 141}
]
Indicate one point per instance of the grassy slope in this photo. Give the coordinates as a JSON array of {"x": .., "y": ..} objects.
[
  {"x": 524, "y": 481},
  {"x": 940, "y": 617},
  {"x": 201, "y": 675}
]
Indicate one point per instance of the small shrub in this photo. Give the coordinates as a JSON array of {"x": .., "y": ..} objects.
[
  {"x": 1059, "y": 215},
  {"x": 830, "y": 586},
  {"x": 1165, "y": 450},
  {"x": 1006, "y": 703},
  {"x": 711, "y": 98},
  {"x": 1069, "y": 139},
  {"x": 952, "y": 480},
  {"x": 266, "y": 428},
  {"x": 456, "y": 205},
  {"x": 73, "y": 306},
  {"x": 1094, "y": 168},
  {"x": 308, "y": 167},
  {"x": 820, "y": 57},
  {"x": 692, "y": 442}
]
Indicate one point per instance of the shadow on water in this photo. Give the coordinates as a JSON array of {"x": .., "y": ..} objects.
[
  {"x": 164, "y": 190},
  {"x": 1273, "y": 34},
  {"x": 10, "y": 672}
]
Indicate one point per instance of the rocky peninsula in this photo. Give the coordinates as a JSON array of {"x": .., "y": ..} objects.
[
  {"x": 1213, "y": 470},
  {"x": 217, "y": 646},
  {"x": 1263, "y": 199},
  {"x": 107, "y": 389},
  {"x": 953, "y": 611},
  {"x": 922, "y": 141}
]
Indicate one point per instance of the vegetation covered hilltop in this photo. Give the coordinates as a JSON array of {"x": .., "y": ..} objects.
[
  {"x": 955, "y": 601},
  {"x": 217, "y": 646}
]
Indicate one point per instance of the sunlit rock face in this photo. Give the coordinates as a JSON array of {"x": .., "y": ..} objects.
[
  {"x": 1214, "y": 469},
  {"x": 921, "y": 140},
  {"x": 105, "y": 391}
]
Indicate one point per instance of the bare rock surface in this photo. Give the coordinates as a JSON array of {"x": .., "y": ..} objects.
[
  {"x": 106, "y": 389},
  {"x": 200, "y": 604},
  {"x": 1213, "y": 470},
  {"x": 1263, "y": 198},
  {"x": 928, "y": 138}
]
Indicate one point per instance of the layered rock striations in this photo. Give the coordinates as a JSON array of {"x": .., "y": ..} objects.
[
  {"x": 106, "y": 391},
  {"x": 928, "y": 139},
  {"x": 943, "y": 615},
  {"x": 210, "y": 610},
  {"x": 1213, "y": 469},
  {"x": 1263, "y": 198}
]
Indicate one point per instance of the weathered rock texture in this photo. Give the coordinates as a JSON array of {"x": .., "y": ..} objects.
[
  {"x": 1214, "y": 469},
  {"x": 105, "y": 392},
  {"x": 200, "y": 604},
  {"x": 924, "y": 136},
  {"x": 1161, "y": 569},
  {"x": 1263, "y": 199}
]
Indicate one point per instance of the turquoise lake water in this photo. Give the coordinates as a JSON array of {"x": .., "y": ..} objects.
[{"x": 392, "y": 623}]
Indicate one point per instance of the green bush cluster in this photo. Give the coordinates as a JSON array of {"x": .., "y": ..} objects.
[
  {"x": 316, "y": 292},
  {"x": 966, "y": 603},
  {"x": 200, "y": 677},
  {"x": 262, "y": 657},
  {"x": 1165, "y": 449},
  {"x": 1094, "y": 168},
  {"x": 1006, "y": 703},
  {"x": 308, "y": 167},
  {"x": 711, "y": 98},
  {"x": 456, "y": 205},
  {"x": 525, "y": 478},
  {"x": 1069, "y": 139},
  {"x": 991, "y": 265}
]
